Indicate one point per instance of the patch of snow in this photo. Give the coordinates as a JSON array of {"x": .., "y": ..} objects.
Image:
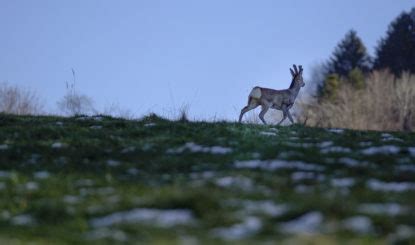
[
  {"x": 41, "y": 175},
  {"x": 349, "y": 161},
  {"x": 382, "y": 208},
  {"x": 308, "y": 223},
  {"x": 31, "y": 186},
  {"x": 378, "y": 185},
  {"x": 335, "y": 149},
  {"x": 231, "y": 181},
  {"x": 96, "y": 127},
  {"x": 325, "y": 144},
  {"x": 250, "y": 226},
  {"x": 57, "y": 145},
  {"x": 150, "y": 125},
  {"x": 277, "y": 164},
  {"x": 389, "y": 137},
  {"x": 303, "y": 188},
  {"x": 133, "y": 171},
  {"x": 365, "y": 143},
  {"x": 192, "y": 147},
  {"x": 113, "y": 163},
  {"x": 266, "y": 207},
  {"x": 405, "y": 168},
  {"x": 386, "y": 149},
  {"x": 23, "y": 219},
  {"x": 358, "y": 224},
  {"x": 342, "y": 182},
  {"x": 5, "y": 174},
  {"x": 412, "y": 151},
  {"x": 266, "y": 133},
  {"x": 59, "y": 123},
  {"x": 128, "y": 149},
  {"x": 202, "y": 175},
  {"x": 84, "y": 182},
  {"x": 70, "y": 199},
  {"x": 336, "y": 130},
  {"x": 157, "y": 217},
  {"x": 301, "y": 175},
  {"x": 4, "y": 147}
]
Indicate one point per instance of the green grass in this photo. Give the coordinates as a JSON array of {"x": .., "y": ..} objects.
[{"x": 235, "y": 183}]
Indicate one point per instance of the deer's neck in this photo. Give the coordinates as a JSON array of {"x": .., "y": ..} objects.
[{"x": 294, "y": 90}]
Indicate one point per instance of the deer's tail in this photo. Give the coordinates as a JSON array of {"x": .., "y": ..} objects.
[{"x": 254, "y": 95}]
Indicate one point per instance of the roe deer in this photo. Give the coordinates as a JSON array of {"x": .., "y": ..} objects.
[{"x": 276, "y": 99}]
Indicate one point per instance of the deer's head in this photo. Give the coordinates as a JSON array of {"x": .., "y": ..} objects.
[{"x": 297, "y": 75}]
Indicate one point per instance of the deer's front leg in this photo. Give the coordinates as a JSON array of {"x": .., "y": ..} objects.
[
  {"x": 290, "y": 117},
  {"x": 284, "y": 113}
]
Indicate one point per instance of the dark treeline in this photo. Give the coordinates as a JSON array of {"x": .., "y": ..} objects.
[{"x": 350, "y": 63}]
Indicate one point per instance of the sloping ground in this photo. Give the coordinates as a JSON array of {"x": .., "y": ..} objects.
[{"x": 104, "y": 180}]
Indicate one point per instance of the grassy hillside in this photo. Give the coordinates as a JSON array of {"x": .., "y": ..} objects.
[{"x": 100, "y": 180}]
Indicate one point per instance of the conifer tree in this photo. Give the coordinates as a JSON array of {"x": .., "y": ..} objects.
[{"x": 396, "y": 51}]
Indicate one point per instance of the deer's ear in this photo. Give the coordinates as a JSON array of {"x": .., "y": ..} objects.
[
  {"x": 301, "y": 69},
  {"x": 292, "y": 72}
]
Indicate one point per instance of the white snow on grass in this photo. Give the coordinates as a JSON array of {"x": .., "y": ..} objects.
[
  {"x": 277, "y": 164},
  {"x": 5, "y": 174},
  {"x": 249, "y": 227},
  {"x": 342, "y": 182},
  {"x": 335, "y": 149},
  {"x": 23, "y": 219},
  {"x": 231, "y": 181},
  {"x": 71, "y": 199},
  {"x": 378, "y": 185},
  {"x": 150, "y": 125},
  {"x": 336, "y": 130},
  {"x": 57, "y": 145},
  {"x": 406, "y": 167},
  {"x": 267, "y": 207},
  {"x": 385, "y": 149},
  {"x": 391, "y": 209},
  {"x": 389, "y": 137},
  {"x": 96, "y": 127},
  {"x": 266, "y": 133},
  {"x": 301, "y": 175},
  {"x": 113, "y": 163},
  {"x": 133, "y": 171},
  {"x": 128, "y": 149},
  {"x": 31, "y": 186},
  {"x": 358, "y": 224},
  {"x": 350, "y": 162},
  {"x": 325, "y": 144},
  {"x": 156, "y": 217},
  {"x": 308, "y": 223},
  {"x": 4, "y": 147},
  {"x": 412, "y": 151},
  {"x": 192, "y": 147},
  {"x": 84, "y": 182},
  {"x": 41, "y": 174}
]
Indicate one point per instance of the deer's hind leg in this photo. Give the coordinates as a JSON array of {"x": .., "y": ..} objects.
[
  {"x": 251, "y": 105},
  {"x": 264, "y": 110},
  {"x": 290, "y": 117},
  {"x": 285, "y": 113}
]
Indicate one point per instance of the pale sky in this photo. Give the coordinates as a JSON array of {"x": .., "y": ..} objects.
[{"x": 155, "y": 56}]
